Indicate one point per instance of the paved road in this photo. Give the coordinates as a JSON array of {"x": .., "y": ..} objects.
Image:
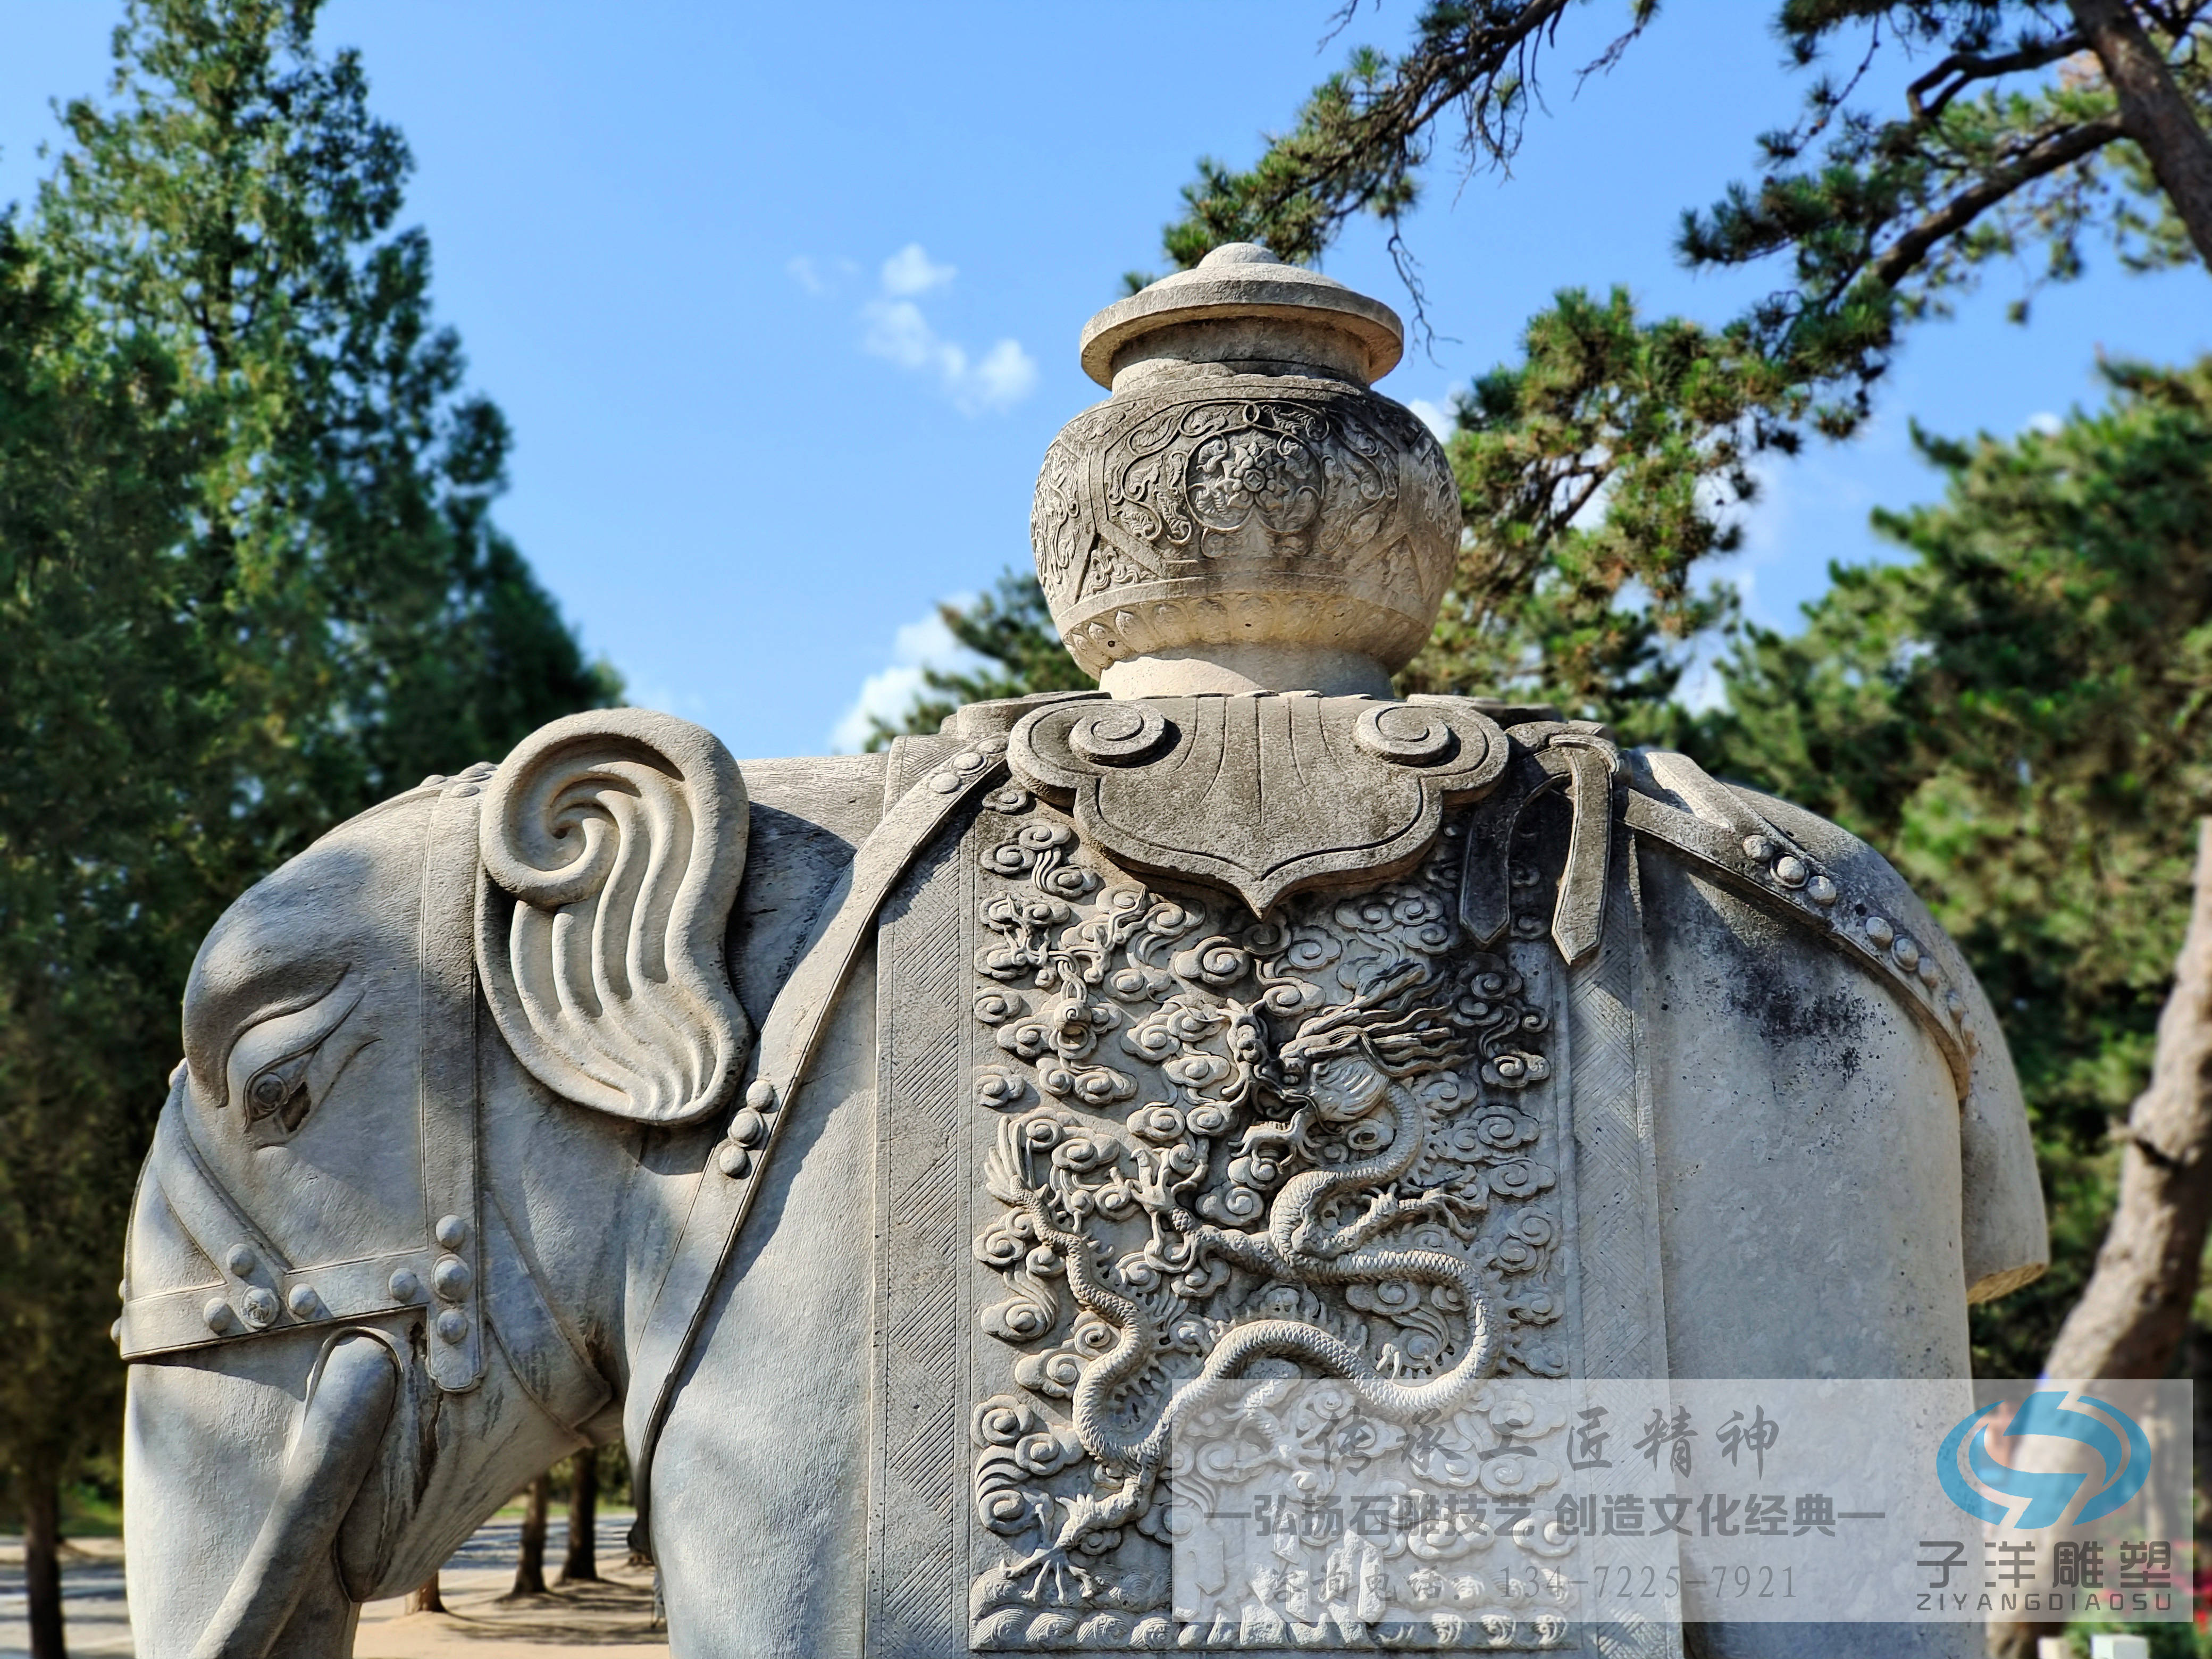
[{"x": 613, "y": 1617}]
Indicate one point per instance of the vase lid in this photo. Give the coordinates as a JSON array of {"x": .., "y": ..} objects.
[{"x": 1222, "y": 311}]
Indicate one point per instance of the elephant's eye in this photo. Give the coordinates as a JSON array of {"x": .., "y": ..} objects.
[{"x": 280, "y": 1091}]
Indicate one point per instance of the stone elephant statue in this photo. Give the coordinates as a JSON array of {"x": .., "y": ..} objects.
[
  {"x": 894, "y": 1149},
  {"x": 453, "y": 1127}
]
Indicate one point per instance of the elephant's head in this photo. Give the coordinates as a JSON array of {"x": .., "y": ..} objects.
[{"x": 377, "y": 1270}]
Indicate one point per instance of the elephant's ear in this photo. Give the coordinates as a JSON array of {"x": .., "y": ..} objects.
[{"x": 613, "y": 842}]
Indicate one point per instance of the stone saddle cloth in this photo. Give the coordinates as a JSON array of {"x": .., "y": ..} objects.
[{"x": 1397, "y": 1128}]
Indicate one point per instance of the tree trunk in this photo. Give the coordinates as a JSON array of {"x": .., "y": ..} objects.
[
  {"x": 2200, "y": 1373},
  {"x": 2134, "y": 1312},
  {"x": 530, "y": 1560},
  {"x": 2157, "y": 117},
  {"x": 583, "y": 1562},
  {"x": 42, "y": 1562},
  {"x": 425, "y": 1597}
]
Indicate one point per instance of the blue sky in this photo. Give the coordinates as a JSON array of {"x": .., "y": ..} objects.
[{"x": 782, "y": 303}]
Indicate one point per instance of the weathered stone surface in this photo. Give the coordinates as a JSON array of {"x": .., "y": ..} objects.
[
  {"x": 897, "y": 1148},
  {"x": 1243, "y": 514},
  {"x": 1266, "y": 794}
]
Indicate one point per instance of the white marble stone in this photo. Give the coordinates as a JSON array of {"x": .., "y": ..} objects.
[{"x": 895, "y": 1148}]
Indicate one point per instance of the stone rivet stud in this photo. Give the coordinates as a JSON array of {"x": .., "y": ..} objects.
[
  {"x": 123, "y": 1291},
  {"x": 450, "y": 1278},
  {"x": 218, "y": 1315},
  {"x": 1928, "y": 972},
  {"x": 731, "y": 1159},
  {"x": 945, "y": 782},
  {"x": 966, "y": 761},
  {"x": 1822, "y": 891},
  {"x": 451, "y": 1233},
  {"x": 302, "y": 1302},
  {"x": 748, "y": 1127},
  {"x": 259, "y": 1306},
  {"x": 1906, "y": 952},
  {"x": 452, "y": 1325},
  {"x": 1956, "y": 1003},
  {"x": 404, "y": 1285},
  {"x": 760, "y": 1095},
  {"x": 1758, "y": 849},
  {"x": 240, "y": 1259},
  {"x": 1789, "y": 869},
  {"x": 993, "y": 746},
  {"x": 1879, "y": 930}
]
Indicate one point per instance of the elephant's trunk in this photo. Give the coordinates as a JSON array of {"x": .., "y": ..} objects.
[{"x": 341, "y": 1428}]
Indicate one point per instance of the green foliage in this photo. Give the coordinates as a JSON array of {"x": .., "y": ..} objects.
[
  {"x": 1010, "y": 628},
  {"x": 103, "y": 685},
  {"x": 1592, "y": 475},
  {"x": 249, "y": 584},
  {"x": 234, "y": 206},
  {"x": 2018, "y": 716},
  {"x": 1363, "y": 136},
  {"x": 1597, "y": 474},
  {"x": 1885, "y": 220}
]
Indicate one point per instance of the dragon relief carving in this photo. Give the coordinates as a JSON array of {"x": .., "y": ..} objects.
[{"x": 1229, "y": 1149}]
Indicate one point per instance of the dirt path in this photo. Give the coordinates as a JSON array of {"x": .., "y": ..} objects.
[{"x": 613, "y": 1617}]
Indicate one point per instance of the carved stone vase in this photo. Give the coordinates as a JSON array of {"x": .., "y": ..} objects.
[{"x": 1242, "y": 488}]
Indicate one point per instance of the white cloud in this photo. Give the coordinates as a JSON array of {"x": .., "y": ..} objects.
[
  {"x": 1440, "y": 416},
  {"x": 1435, "y": 417},
  {"x": 668, "y": 699},
  {"x": 910, "y": 272},
  {"x": 896, "y": 331},
  {"x": 819, "y": 276},
  {"x": 1006, "y": 376},
  {"x": 2046, "y": 423},
  {"x": 887, "y": 693}
]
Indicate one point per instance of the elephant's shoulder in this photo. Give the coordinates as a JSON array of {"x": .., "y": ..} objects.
[
  {"x": 1834, "y": 891},
  {"x": 808, "y": 817},
  {"x": 1844, "y": 897},
  {"x": 839, "y": 795}
]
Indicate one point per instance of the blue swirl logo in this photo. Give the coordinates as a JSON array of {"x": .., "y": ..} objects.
[{"x": 2050, "y": 1494}]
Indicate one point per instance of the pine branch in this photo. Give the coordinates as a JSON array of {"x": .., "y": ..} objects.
[
  {"x": 1963, "y": 69},
  {"x": 2159, "y": 117},
  {"x": 2045, "y": 157}
]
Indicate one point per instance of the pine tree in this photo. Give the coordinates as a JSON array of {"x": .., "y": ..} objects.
[
  {"x": 1600, "y": 472},
  {"x": 104, "y": 683},
  {"x": 249, "y": 583},
  {"x": 234, "y": 203}
]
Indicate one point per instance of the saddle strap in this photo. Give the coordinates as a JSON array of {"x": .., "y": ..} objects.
[
  {"x": 1547, "y": 755},
  {"x": 789, "y": 1038}
]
